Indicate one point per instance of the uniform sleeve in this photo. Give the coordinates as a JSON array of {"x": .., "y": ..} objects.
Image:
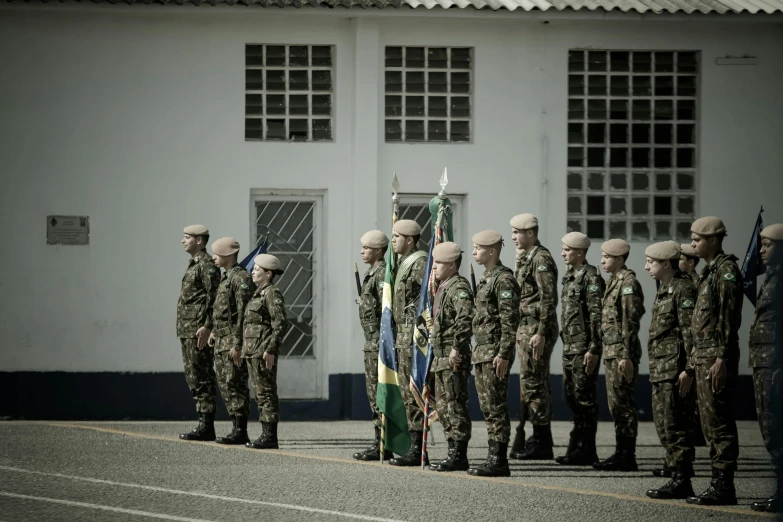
[
  {"x": 508, "y": 307},
  {"x": 243, "y": 293},
  {"x": 632, "y": 301},
  {"x": 417, "y": 270},
  {"x": 210, "y": 279},
  {"x": 280, "y": 324},
  {"x": 546, "y": 278},
  {"x": 595, "y": 291},
  {"x": 686, "y": 301},
  {"x": 729, "y": 306},
  {"x": 463, "y": 317}
]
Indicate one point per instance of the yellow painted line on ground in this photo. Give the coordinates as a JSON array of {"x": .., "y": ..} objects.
[{"x": 495, "y": 480}]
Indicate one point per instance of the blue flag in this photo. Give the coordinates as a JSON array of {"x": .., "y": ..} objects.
[
  {"x": 753, "y": 266},
  {"x": 248, "y": 262}
]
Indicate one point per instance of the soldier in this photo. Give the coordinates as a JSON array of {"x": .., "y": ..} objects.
[
  {"x": 374, "y": 246},
  {"x": 669, "y": 347},
  {"x": 688, "y": 262},
  {"x": 715, "y": 327},
  {"x": 452, "y": 311},
  {"x": 765, "y": 355},
  {"x": 495, "y": 327},
  {"x": 194, "y": 310},
  {"x": 265, "y": 325},
  {"x": 536, "y": 274},
  {"x": 580, "y": 329},
  {"x": 233, "y": 294},
  {"x": 621, "y": 312},
  {"x": 407, "y": 287}
]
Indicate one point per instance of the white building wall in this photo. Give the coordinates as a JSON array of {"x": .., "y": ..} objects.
[{"x": 134, "y": 116}]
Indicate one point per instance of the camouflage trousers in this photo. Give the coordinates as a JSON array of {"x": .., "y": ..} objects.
[
  {"x": 404, "y": 346},
  {"x": 535, "y": 397},
  {"x": 232, "y": 379},
  {"x": 451, "y": 402},
  {"x": 717, "y": 415},
  {"x": 371, "y": 384},
  {"x": 493, "y": 399},
  {"x": 265, "y": 388},
  {"x": 580, "y": 390},
  {"x": 199, "y": 374},
  {"x": 768, "y": 413},
  {"x": 672, "y": 416},
  {"x": 620, "y": 395}
]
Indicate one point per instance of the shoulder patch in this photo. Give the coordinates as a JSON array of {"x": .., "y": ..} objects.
[
  {"x": 244, "y": 286},
  {"x": 463, "y": 294},
  {"x": 593, "y": 289},
  {"x": 688, "y": 303},
  {"x": 729, "y": 277},
  {"x": 278, "y": 300},
  {"x": 506, "y": 294},
  {"x": 542, "y": 268},
  {"x": 627, "y": 290}
]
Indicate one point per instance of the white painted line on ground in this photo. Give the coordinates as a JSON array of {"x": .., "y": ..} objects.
[
  {"x": 102, "y": 507},
  {"x": 200, "y": 495}
]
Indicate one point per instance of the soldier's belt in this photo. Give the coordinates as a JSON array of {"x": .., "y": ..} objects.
[
  {"x": 486, "y": 339},
  {"x": 406, "y": 328},
  {"x": 223, "y": 331},
  {"x": 572, "y": 339},
  {"x": 528, "y": 320},
  {"x": 445, "y": 352},
  {"x": 371, "y": 336}
]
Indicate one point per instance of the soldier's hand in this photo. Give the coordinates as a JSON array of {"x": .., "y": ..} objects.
[
  {"x": 591, "y": 361},
  {"x": 537, "y": 342},
  {"x": 269, "y": 359},
  {"x": 211, "y": 340},
  {"x": 718, "y": 375},
  {"x": 626, "y": 369},
  {"x": 454, "y": 359},
  {"x": 501, "y": 366},
  {"x": 237, "y": 356},
  {"x": 685, "y": 381},
  {"x": 202, "y": 334}
]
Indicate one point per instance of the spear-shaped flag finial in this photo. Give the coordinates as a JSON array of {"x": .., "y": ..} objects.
[
  {"x": 395, "y": 185},
  {"x": 444, "y": 180}
]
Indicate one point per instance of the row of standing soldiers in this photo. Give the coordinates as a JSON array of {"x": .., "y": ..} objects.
[{"x": 693, "y": 349}]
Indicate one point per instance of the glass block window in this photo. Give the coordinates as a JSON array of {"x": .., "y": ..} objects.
[
  {"x": 428, "y": 94},
  {"x": 288, "y": 92},
  {"x": 632, "y": 143}
]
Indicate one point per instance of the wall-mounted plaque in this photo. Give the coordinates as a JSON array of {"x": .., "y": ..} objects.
[{"x": 67, "y": 230}]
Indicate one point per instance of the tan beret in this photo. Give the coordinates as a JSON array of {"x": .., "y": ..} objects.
[
  {"x": 487, "y": 238},
  {"x": 663, "y": 251},
  {"x": 708, "y": 226},
  {"x": 524, "y": 221},
  {"x": 446, "y": 252},
  {"x": 225, "y": 246},
  {"x": 268, "y": 262},
  {"x": 375, "y": 239},
  {"x": 576, "y": 240},
  {"x": 196, "y": 230},
  {"x": 773, "y": 232},
  {"x": 616, "y": 247},
  {"x": 407, "y": 227},
  {"x": 688, "y": 250}
]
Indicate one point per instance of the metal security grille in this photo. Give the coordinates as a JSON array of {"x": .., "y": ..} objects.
[
  {"x": 289, "y": 226},
  {"x": 416, "y": 207},
  {"x": 632, "y": 143},
  {"x": 428, "y": 94},
  {"x": 288, "y": 92}
]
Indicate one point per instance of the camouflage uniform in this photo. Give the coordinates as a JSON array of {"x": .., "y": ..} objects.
[
  {"x": 265, "y": 326},
  {"x": 452, "y": 329},
  {"x": 370, "y": 318},
  {"x": 622, "y": 310},
  {"x": 235, "y": 290},
  {"x": 669, "y": 347},
  {"x": 765, "y": 358},
  {"x": 194, "y": 310},
  {"x": 536, "y": 273},
  {"x": 494, "y": 326},
  {"x": 715, "y": 325},
  {"x": 407, "y": 287}
]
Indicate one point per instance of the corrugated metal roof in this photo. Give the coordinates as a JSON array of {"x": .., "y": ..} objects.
[{"x": 636, "y": 6}]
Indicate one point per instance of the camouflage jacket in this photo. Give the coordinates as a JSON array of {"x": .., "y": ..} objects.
[
  {"x": 453, "y": 322},
  {"x": 235, "y": 290},
  {"x": 718, "y": 312},
  {"x": 406, "y": 291},
  {"x": 370, "y": 303},
  {"x": 621, "y": 313},
  {"x": 693, "y": 276},
  {"x": 496, "y": 315},
  {"x": 765, "y": 332},
  {"x": 580, "y": 319},
  {"x": 670, "y": 344},
  {"x": 265, "y": 323},
  {"x": 199, "y": 285},
  {"x": 536, "y": 274}
]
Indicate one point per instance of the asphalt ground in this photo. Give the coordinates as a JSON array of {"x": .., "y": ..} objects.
[{"x": 135, "y": 471}]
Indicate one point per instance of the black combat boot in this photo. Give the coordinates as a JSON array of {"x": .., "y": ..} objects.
[
  {"x": 238, "y": 435},
  {"x": 573, "y": 443},
  {"x": 519, "y": 442},
  {"x": 679, "y": 486},
  {"x": 624, "y": 458},
  {"x": 458, "y": 460},
  {"x": 721, "y": 491},
  {"x": 584, "y": 454},
  {"x": 496, "y": 464},
  {"x": 539, "y": 445},
  {"x": 205, "y": 431},
  {"x": 413, "y": 457},
  {"x": 373, "y": 453},
  {"x": 770, "y": 505},
  {"x": 452, "y": 448},
  {"x": 268, "y": 438},
  {"x": 664, "y": 472}
]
